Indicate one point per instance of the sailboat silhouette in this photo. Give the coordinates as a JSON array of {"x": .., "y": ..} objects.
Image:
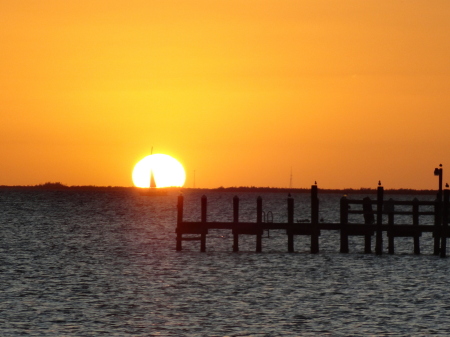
[
  {"x": 152, "y": 179},
  {"x": 153, "y": 190}
]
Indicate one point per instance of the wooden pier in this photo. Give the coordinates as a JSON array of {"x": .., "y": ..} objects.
[{"x": 372, "y": 212}]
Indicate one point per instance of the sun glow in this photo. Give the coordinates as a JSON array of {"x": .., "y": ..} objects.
[{"x": 166, "y": 170}]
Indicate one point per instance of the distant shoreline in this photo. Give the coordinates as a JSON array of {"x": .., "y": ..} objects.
[{"x": 252, "y": 189}]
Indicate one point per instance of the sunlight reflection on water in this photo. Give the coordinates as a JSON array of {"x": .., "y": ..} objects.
[{"x": 98, "y": 263}]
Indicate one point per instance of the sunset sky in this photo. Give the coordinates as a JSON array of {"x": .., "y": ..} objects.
[{"x": 344, "y": 93}]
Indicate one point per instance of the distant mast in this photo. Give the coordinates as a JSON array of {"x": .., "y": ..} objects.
[{"x": 290, "y": 180}]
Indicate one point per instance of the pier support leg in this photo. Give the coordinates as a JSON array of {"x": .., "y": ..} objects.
[
  {"x": 379, "y": 243},
  {"x": 315, "y": 219},
  {"x": 367, "y": 244},
  {"x": 391, "y": 247},
  {"x": 235, "y": 242},
  {"x": 179, "y": 220},
  {"x": 437, "y": 226},
  {"x": 437, "y": 245},
  {"x": 379, "y": 231},
  {"x": 290, "y": 209},
  {"x": 445, "y": 219},
  {"x": 416, "y": 245},
  {"x": 344, "y": 221},
  {"x": 390, "y": 207},
  {"x": 259, "y": 243},
  {"x": 443, "y": 252},
  {"x": 314, "y": 244},
  {"x": 416, "y": 223},
  {"x": 179, "y": 239},
  {"x": 203, "y": 243},
  {"x": 290, "y": 243},
  {"x": 344, "y": 241}
]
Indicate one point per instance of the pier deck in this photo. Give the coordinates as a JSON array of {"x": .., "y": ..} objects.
[{"x": 372, "y": 226}]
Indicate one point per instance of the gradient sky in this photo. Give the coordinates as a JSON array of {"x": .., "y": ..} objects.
[{"x": 241, "y": 92}]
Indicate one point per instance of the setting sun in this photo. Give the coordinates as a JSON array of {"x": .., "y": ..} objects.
[{"x": 166, "y": 171}]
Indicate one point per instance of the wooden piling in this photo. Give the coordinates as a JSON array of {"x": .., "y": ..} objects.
[
  {"x": 445, "y": 216},
  {"x": 367, "y": 244},
  {"x": 179, "y": 221},
  {"x": 379, "y": 231},
  {"x": 314, "y": 220},
  {"x": 259, "y": 212},
  {"x": 203, "y": 235},
  {"x": 344, "y": 222},
  {"x": 290, "y": 211},
  {"x": 204, "y": 202},
  {"x": 415, "y": 209},
  {"x": 390, "y": 209},
  {"x": 368, "y": 220},
  {"x": 367, "y": 229},
  {"x": 437, "y": 225},
  {"x": 235, "y": 223}
]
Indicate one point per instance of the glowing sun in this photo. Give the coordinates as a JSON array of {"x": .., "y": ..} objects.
[{"x": 165, "y": 171}]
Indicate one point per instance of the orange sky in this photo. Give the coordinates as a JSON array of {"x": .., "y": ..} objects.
[{"x": 345, "y": 93}]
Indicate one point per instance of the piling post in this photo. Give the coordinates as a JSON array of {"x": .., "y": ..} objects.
[
  {"x": 290, "y": 211},
  {"x": 437, "y": 225},
  {"x": 204, "y": 202},
  {"x": 203, "y": 211},
  {"x": 415, "y": 209},
  {"x": 259, "y": 213},
  {"x": 367, "y": 244},
  {"x": 379, "y": 230},
  {"x": 179, "y": 221},
  {"x": 344, "y": 222},
  {"x": 235, "y": 223},
  {"x": 445, "y": 216},
  {"x": 368, "y": 220},
  {"x": 314, "y": 220},
  {"x": 390, "y": 209},
  {"x": 290, "y": 208}
]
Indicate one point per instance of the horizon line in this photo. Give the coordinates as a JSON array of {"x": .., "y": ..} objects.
[{"x": 58, "y": 185}]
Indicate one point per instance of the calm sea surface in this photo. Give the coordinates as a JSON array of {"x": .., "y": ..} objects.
[{"x": 76, "y": 263}]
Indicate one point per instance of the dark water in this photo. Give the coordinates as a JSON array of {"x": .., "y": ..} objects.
[{"x": 104, "y": 263}]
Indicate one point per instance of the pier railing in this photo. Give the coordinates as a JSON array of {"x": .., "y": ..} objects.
[{"x": 373, "y": 211}]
